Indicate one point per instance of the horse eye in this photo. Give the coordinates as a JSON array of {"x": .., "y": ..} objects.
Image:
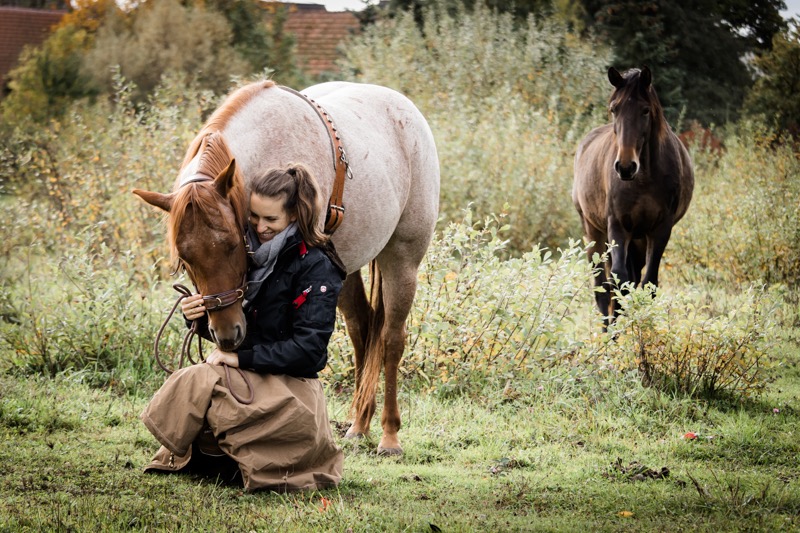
[{"x": 646, "y": 111}]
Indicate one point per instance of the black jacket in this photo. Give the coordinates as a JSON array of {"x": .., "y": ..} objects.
[{"x": 291, "y": 319}]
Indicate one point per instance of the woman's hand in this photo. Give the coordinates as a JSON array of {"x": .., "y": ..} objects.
[
  {"x": 192, "y": 307},
  {"x": 218, "y": 357}
]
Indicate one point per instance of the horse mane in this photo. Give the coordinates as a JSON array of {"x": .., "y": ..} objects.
[
  {"x": 215, "y": 156},
  {"x": 632, "y": 89},
  {"x": 220, "y": 118}
]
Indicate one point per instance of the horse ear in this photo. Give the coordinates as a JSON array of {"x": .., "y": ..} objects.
[
  {"x": 224, "y": 180},
  {"x": 645, "y": 78},
  {"x": 615, "y": 78},
  {"x": 162, "y": 201}
]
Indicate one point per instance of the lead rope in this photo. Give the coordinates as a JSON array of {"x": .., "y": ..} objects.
[{"x": 186, "y": 350}]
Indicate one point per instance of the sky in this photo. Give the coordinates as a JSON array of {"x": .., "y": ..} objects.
[
  {"x": 792, "y": 6},
  {"x": 343, "y": 5}
]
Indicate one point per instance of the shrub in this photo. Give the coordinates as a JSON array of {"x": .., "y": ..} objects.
[
  {"x": 478, "y": 320},
  {"x": 683, "y": 341},
  {"x": 90, "y": 310},
  {"x": 743, "y": 224},
  {"x": 76, "y": 175}
]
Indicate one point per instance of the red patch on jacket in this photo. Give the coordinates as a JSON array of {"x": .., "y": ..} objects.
[{"x": 300, "y": 300}]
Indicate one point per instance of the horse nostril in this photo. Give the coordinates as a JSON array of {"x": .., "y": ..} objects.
[
  {"x": 634, "y": 168},
  {"x": 616, "y": 167}
]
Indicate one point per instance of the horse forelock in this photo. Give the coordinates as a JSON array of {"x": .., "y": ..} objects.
[
  {"x": 633, "y": 89},
  {"x": 214, "y": 156}
]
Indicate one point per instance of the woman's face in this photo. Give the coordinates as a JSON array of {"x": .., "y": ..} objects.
[{"x": 268, "y": 217}]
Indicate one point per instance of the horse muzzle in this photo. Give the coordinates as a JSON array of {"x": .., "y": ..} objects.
[
  {"x": 227, "y": 328},
  {"x": 626, "y": 172}
]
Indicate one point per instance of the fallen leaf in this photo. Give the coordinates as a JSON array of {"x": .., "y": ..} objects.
[{"x": 625, "y": 514}]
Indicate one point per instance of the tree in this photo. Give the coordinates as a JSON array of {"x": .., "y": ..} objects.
[
  {"x": 775, "y": 92},
  {"x": 694, "y": 47},
  {"x": 520, "y": 8},
  {"x": 161, "y": 37}
]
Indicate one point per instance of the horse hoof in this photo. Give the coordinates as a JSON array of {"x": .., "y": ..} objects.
[
  {"x": 390, "y": 452},
  {"x": 354, "y": 434}
]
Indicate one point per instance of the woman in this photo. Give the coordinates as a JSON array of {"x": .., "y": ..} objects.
[{"x": 282, "y": 440}]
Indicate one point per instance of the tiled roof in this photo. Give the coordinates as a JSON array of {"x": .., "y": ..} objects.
[
  {"x": 21, "y": 26},
  {"x": 318, "y": 32}
]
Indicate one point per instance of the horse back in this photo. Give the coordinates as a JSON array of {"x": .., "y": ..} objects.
[{"x": 393, "y": 164}]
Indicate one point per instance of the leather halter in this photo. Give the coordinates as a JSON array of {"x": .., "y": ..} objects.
[
  {"x": 341, "y": 166},
  {"x": 220, "y": 300},
  {"x": 213, "y": 302}
]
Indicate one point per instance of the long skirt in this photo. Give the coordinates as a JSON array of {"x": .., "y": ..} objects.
[{"x": 281, "y": 441}]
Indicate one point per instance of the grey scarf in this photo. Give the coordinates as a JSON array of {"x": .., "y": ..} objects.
[{"x": 264, "y": 258}]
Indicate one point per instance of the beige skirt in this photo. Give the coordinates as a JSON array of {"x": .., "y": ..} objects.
[{"x": 281, "y": 441}]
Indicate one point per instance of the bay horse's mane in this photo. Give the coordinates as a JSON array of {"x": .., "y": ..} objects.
[{"x": 633, "y": 89}]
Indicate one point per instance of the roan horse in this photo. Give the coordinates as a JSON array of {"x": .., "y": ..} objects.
[
  {"x": 391, "y": 195},
  {"x": 633, "y": 182}
]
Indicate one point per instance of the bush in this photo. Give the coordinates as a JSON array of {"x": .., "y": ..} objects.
[
  {"x": 683, "y": 341},
  {"x": 88, "y": 311},
  {"x": 478, "y": 320},
  {"x": 77, "y": 175},
  {"x": 743, "y": 224}
]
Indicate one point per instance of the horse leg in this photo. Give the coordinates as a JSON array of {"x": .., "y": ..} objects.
[
  {"x": 636, "y": 260},
  {"x": 656, "y": 244},
  {"x": 598, "y": 240},
  {"x": 619, "y": 260},
  {"x": 356, "y": 310},
  {"x": 399, "y": 270}
]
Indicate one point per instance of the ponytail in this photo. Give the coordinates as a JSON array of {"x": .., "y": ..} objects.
[{"x": 301, "y": 197}]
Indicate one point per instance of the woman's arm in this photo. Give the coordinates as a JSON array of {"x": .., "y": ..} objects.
[{"x": 306, "y": 352}]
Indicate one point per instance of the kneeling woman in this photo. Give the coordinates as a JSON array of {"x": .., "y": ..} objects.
[{"x": 282, "y": 440}]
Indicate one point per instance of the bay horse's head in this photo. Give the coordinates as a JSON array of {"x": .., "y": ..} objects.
[
  {"x": 637, "y": 118},
  {"x": 207, "y": 215}
]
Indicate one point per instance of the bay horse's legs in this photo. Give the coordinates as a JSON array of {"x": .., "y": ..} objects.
[
  {"x": 656, "y": 244},
  {"x": 356, "y": 309},
  {"x": 602, "y": 299},
  {"x": 637, "y": 256},
  {"x": 619, "y": 260}
]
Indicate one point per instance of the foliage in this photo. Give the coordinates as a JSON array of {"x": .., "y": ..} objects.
[
  {"x": 694, "y": 48},
  {"x": 90, "y": 311},
  {"x": 681, "y": 343},
  {"x": 166, "y": 37},
  {"x": 505, "y": 107},
  {"x": 519, "y": 9},
  {"x": 778, "y": 82},
  {"x": 478, "y": 319},
  {"x": 48, "y": 79},
  {"x": 743, "y": 224}
]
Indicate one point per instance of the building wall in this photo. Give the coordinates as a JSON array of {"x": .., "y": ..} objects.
[{"x": 19, "y": 27}]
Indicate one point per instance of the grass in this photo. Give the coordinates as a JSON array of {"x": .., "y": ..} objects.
[{"x": 548, "y": 456}]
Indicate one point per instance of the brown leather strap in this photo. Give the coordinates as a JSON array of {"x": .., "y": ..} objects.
[{"x": 341, "y": 167}]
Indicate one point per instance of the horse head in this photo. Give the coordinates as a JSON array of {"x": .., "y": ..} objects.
[
  {"x": 207, "y": 213},
  {"x": 637, "y": 114}
]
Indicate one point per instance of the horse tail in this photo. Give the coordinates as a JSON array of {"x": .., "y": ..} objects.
[{"x": 369, "y": 374}]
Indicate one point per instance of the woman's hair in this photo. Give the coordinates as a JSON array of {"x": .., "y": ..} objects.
[{"x": 301, "y": 196}]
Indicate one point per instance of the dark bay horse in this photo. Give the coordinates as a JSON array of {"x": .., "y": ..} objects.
[
  {"x": 391, "y": 197},
  {"x": 633, "y": 182}
]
